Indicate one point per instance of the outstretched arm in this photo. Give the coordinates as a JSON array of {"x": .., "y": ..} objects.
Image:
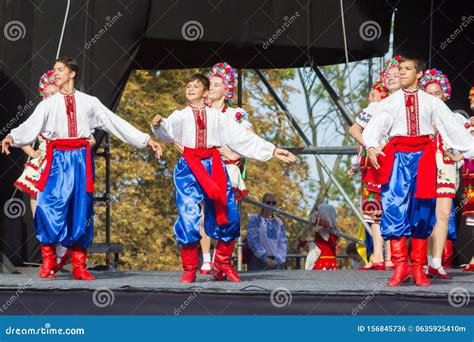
[
  {"x": 28, "y": 131},
  {"x": 451, "y": 126},
  {"x": 248, "y": 144},
  {"x": 168, "y": 129},
  {"x": 112, "y": 123}
]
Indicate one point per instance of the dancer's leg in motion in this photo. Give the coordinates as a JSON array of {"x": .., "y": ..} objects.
[
  {"x": 378, "y": 243},
  {"x": 438, "y": 237},
  {"x": 205, "y": 248},
  {"x": 388, "y": 256}
]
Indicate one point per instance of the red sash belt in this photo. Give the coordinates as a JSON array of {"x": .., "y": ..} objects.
[
  {"x": 230, "y": 162},
  {"x": 426, "y": 180},
  {"x": 67, "y": 145},
  {"x": 214, "y": 184}
]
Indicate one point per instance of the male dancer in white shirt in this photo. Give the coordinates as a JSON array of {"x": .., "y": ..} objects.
[
  {"x": 407, "y": 167},
  {"x": 201, "y": 178},
  {"x": 371, "y": 205},
  {"x": 65, "y": 212}
]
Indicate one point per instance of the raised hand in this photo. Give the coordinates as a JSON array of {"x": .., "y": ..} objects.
[
  {"x": 284, "y": 155},
  {"x": 454, "y": 157},
  {"x": 351, "y": 173},
  {"x": 156, "y": 148},
  {"x": 157, "y": 120},
  {"x": 373, "y": 153},
  {"x": 6, "y": 143}
]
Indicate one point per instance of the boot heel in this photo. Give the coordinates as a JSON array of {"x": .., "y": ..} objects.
[{"x": 190, "y": 260}]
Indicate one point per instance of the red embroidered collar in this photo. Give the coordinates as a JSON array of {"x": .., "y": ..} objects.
[{"x": 410, "y": 92}]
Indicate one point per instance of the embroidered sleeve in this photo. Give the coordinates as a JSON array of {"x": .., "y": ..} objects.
[
  {"x": 242, "y": 117},
  {"x": 362, "y": 119}
]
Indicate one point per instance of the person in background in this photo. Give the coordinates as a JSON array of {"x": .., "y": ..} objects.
[
  {"x": 324, "y": 216},
  {"x": 266, "y": 238}
]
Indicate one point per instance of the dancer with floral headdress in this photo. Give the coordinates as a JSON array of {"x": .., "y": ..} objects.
[
  {"x": 201, "y": 180},
  {"x": 221, "y": 91},
  {"x": 371, "y": 202},
  {"x": 435, "y": 83}
]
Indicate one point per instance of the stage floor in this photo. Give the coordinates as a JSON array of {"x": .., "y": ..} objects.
[{"x": 293, "y": 292}]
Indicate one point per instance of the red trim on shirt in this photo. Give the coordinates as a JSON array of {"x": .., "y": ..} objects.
[
  {"x": 412, "y": 113},
  {"x": 200, "y": 120},
  {"x": 70, "y": 102}
]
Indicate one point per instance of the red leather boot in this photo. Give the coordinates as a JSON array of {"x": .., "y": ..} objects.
[
  {"x": 448, "y": 254},
  {"x": 190, "y": 260},
  {"x": 418, "y": 259},
  {"x": 222, "y": 262},
  {"x": 79, "y": 258},
  {"x": 64, "y": 260},
  {"x": 402, "y": 272},
  {"x": 49, "y": 261}
]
